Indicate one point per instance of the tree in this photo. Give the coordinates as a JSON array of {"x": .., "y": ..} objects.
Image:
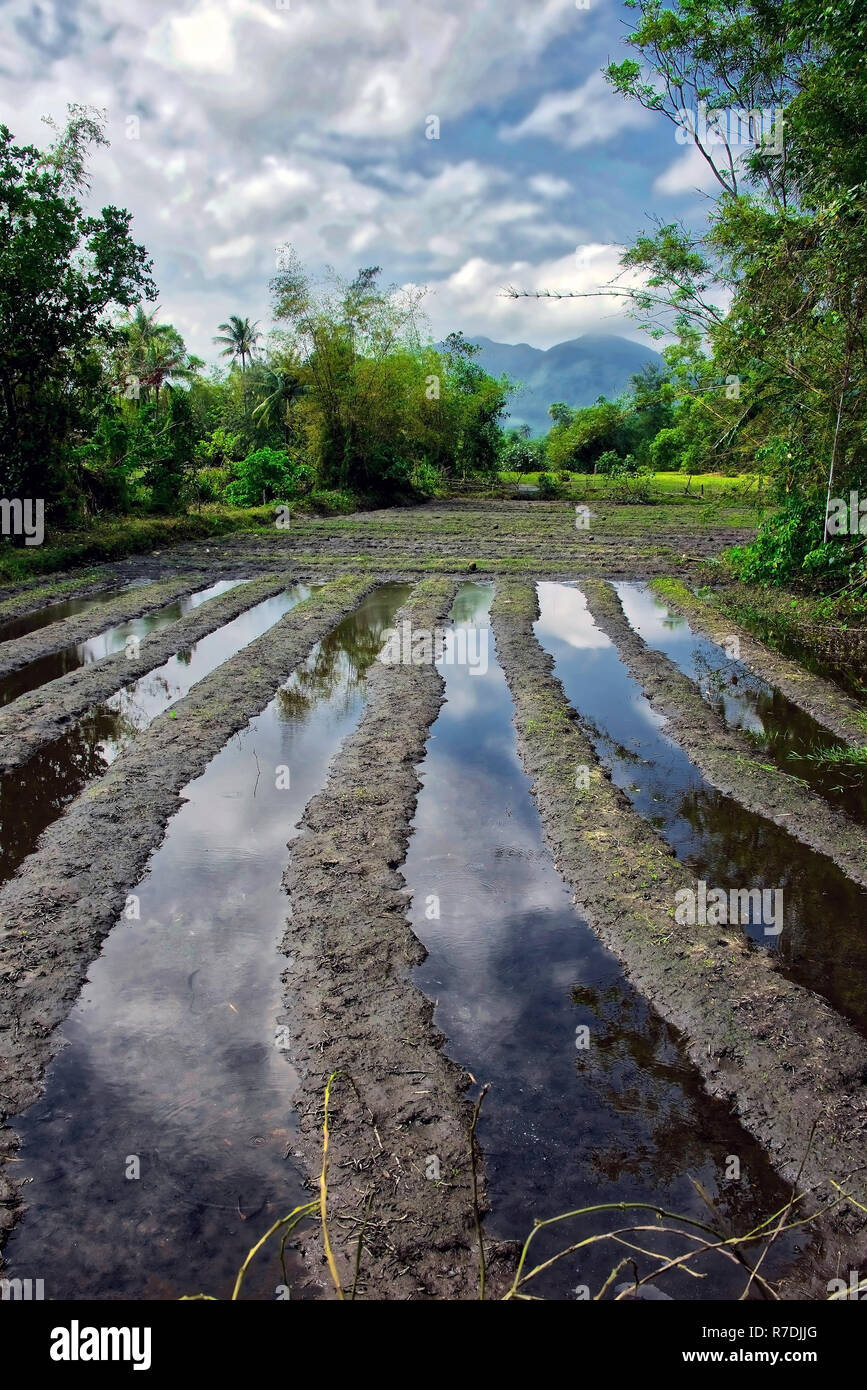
[
  {"x": 773, "y": 295},
  {"x": 360, "y": 353},
  {"x": 151, "y": 355},
  {"x": 61, "y": 273},
  {"x": 240, "y": 338},
  {"x": 283, "y": 385}
]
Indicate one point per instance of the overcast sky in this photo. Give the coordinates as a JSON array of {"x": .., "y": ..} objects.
[{"x": 265, "y": 121}]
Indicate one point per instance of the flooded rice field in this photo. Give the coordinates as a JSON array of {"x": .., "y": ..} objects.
[
  {"x": 520, "y": 981},
  {"x": 423, "y": 834},
  {"x": 818, "y": 937},
  {"x": 34, "y": 794},
  {"x": 114, "y": 639},
  {"x": 10, "y": 628},
  {"x": 783, "y": 732},
  {"x": 164, "y": 1143}
]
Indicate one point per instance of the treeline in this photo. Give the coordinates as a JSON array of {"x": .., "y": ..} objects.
[
  {"x": 103, "y": 409},
  {"x": 770, "y": 302}
]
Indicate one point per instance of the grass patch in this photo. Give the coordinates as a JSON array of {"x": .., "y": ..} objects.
[
  {"x": 114, "y": 538},
  {"x": 677, "y": 488}
]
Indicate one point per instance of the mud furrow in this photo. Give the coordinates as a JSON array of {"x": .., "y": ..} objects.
[
  {"x": 352, "y": 1007},
  {"x": 724, "y": 756},
  {"x": 48, "y": 640},
  {"x": 57, "y": 588},
  {"x": 43, "y": 714},
  {"x": 791, "y": 1068},
  {"x": 68, "y": 895},
  {"x": 821, "y": 699}
]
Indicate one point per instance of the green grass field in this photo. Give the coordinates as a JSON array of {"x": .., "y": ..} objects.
[{"x": 665, "y": 487}]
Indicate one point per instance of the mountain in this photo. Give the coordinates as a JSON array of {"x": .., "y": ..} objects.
[{"x": 575, "y": 372}]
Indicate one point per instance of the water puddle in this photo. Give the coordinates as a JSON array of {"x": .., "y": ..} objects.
[
  {"x": 517, "y": 973},
  {"x": 66, "y": 608},
  {"x": 108, "y": 643},
  {"x": 780, "y": 729},
  {"x": 835, "y": 666},
  {"x": 33, "y": 795},
  {"x": 173, "y": 1066},
  {"x": 822, "y": 944}
]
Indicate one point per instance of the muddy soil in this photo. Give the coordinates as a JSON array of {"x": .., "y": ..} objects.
[
  {"x": 22, "y": 650},
  {"x": 449, "y": 536},
  {"x": 784, "y": 1061},
  {"x": 827, "y": 704},
  {"x": 724, "y": 756},
  {"x": 352, "y": 1008},
  {"x": 18, "y": 602},
  {"x": 790, "y": 1067},
  {"x": 42, "y": 715},
  {"x": 67, "y": 896}
]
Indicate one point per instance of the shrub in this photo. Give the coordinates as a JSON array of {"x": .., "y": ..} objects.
[
  {"x": 629, "y": 485},
  {"x": 612, "y": 465},
  {"x": 209, "y": 484},
  {"x": 425, "y": 478},
  {"x": 548, "y": 485},
  {"x": 267, "y": 475},
  {"x": 332, "y": 502}
]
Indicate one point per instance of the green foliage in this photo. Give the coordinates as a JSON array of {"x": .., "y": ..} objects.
[
  {"x": 785, "y": 249},
  {"x": 549, "y": 486},
  {"x": 521, "y": 454},
  {"x": 103, "y": 409},
  {"x": 60, "y": 271},
  {"x": 209, "y": 484},
  {"x": 632, "y": 484},
  {"x": 331, "y": 502},
  {"x": 268, "y": 475},
  {"x": 221, "y": 448},
  {"x": 426, "y": 479},
  {"x": 375, "y": 403}
]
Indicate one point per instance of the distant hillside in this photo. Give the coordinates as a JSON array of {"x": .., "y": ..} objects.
[{"x": 575, "y": 372}]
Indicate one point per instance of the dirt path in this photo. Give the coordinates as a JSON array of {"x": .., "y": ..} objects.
[
  {"x": 723, "y": 755},
  {"x": 351, "y": 1006},
  {"x": 69, "y": 894},
  {"x": 791, "y": 1068}
]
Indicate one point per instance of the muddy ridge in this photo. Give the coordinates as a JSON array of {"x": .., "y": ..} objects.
[
  {"x": 351, "y": 1006},
  {"x": 20, "y": 651},
  {"x": 42, "y": 715},
  {"x": 790, "y": 1067},
  {"x": 55, "y": 588},
  {"x": 825, "y": 702},
  {"x": 724, "y": 755},
  {"x": 69, "y": 893}
]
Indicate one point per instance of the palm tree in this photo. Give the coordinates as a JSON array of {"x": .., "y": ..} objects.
[
  {"x": 241, "y": 339},
  {"x": 284, "y": 386},
  {"x": 154, "y": 354}
]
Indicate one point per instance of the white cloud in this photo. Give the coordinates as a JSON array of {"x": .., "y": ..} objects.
[
  {"x": 237, "y": 250},
  {"x": 202, "y": 41},
  {"x": 260, "y": 125},
  {"x": 689, "y": 173},
  {"x": 471, "y": 297},
  {"x": 549, "y": 186},
  {"x": 587, "y": 115}
]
